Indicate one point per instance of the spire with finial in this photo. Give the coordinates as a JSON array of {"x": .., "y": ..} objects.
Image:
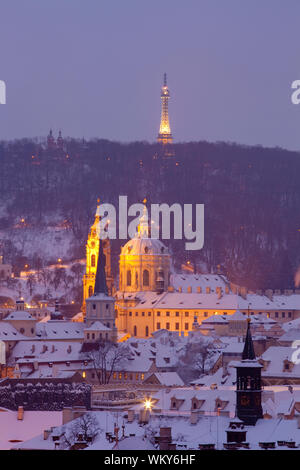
[
  {"x": 50, "y": 140},
  {"x": 143, "y": 227},
  {"x": 248, "y": 351},
  {"x": 60, "y": 141},
  {"x": 100, "y": 281}
]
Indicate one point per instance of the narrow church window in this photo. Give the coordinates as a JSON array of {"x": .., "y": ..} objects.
[
  {"x": 93, "y": 261},
  {"x": 146, "y": 277},
  {"x": 129, "y": 278},
  {"x": 135, "y": 331}
]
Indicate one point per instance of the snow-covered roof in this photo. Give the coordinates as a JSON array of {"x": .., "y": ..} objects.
[
  {"x": 168, "y": 378},
  {"x": 19, "y": 315},
  {"x": 9, "y": 333},
  {"x": 194, "y": 281},
  {"x": 275, "y": 357},
  {"x": 131, "y": 443},
  {"x": 290, "y": 335},
  {"x": 208, "y": 429},
  {"x": 33, "y": 423},
  {"x": 46, "y": 351},
  {"x": 97, "y": 326},
  {"x": 60, "y": 329}
]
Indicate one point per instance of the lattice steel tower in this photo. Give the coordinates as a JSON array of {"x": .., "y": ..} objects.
[{"x": 164, "y": 135}]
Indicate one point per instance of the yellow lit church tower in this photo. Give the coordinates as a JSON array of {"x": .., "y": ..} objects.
[
  {"x": 92, "y": 252},
  {"x": 164, "y": 135}
]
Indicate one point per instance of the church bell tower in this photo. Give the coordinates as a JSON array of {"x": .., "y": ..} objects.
[
  {"x": 248, "y": 384},
  {"x": 92, "y": 251}
]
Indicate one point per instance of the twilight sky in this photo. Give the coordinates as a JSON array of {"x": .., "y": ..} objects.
[{"x": 94, "y": 68}]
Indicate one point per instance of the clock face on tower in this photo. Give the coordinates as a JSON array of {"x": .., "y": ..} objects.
[{"x": 245, "y": 400}]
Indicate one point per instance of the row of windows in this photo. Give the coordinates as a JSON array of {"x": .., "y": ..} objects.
[
  {"x": 289, "y": 314},
  {"x": 159, "y": 326},
  {"x": 92, "y": 335},
  {"x": 205, "y": 314},
  {"x": 177, "y": 314},
  {"x": 128, "y": 376}
]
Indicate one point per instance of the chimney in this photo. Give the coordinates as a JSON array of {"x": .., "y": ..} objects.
[
  {"x": 194, "y": 417},
  {"x": 130, "y": 416},
  {"x": 199, "y": 290},
  {"x": 69, "y": 349},
  {"x": 45, "y": 348},
  {"x": 20, "y": 413},
  {"x": 35, "y": 365},
  {"x": 165, "y": 438},
  {"x": 67, "y": 415},
  {"x": 53, "y": 348},
  {"x": 55, "y": 370},
  {"x": 33, "y": 348}
]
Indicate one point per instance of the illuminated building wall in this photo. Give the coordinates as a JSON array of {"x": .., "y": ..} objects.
[{"x": 92, "y": 249}]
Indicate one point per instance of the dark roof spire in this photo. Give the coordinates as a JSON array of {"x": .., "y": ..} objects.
[
  {"x": 248, "y": 352},
  {"x": 100, "y": 281}
]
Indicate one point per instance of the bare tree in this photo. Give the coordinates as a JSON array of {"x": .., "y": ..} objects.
[
  {"x": 78, "y": 269},
  {"x": 86, "y": 426},
  {"x": 196, "y": 359},
  {"x": 45, "y": 276},
  {"x": 31, "y": 283},
  {"x": 106, "y": 357}
]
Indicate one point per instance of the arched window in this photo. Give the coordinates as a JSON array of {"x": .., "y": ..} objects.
[
  {"x": 129, "y": 278},
  {"x": 134, "y": 330},
  {"x": 93, "y": 261},
  {"x": 145, "y": 277},
  {"x": 147, "y": 331},
  {"x": 90, "y": 291}
]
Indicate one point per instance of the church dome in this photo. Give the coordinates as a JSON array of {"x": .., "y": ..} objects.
[
  {"x": 141, "y": 244},
  {"x": 144, "y": 262},
  {"x": 144, "y": 246}
]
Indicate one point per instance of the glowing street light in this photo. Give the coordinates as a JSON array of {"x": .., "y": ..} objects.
[{"x": 148, "y": 403}]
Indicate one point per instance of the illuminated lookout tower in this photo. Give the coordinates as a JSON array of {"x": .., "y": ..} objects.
[{"x": 164, "y": 135}]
